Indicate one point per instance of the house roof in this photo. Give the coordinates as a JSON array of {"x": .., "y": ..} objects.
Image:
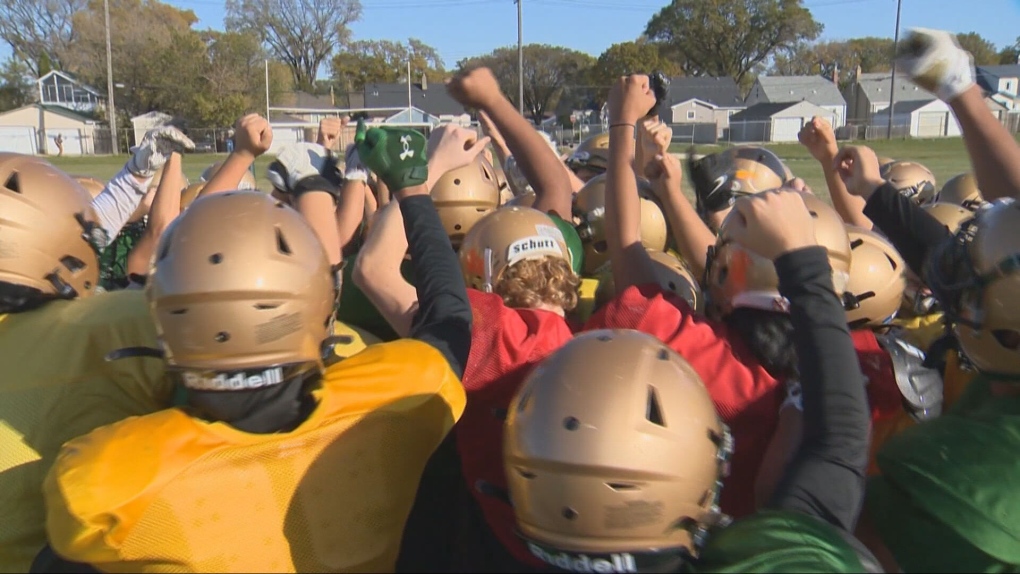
[
  {"x": 908, "y": 107},
  {"x": 282, "y": 118},
  {"x": 815, "y": 89},
  {"x": 303, "y": 101},
  {"x": 432, "y": 100},
  {"x": 58, "y": 110},
  {"x": 153, "y": 114},
  {"x": 720, "y": 92},
  {"x": 876, "y": 87},
  {"x": 761, "y": 111},
  {"x": 1004, "y": 71},
  {"x": 70, "y": 78}
]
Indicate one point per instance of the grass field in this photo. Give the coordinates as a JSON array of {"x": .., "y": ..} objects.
[{"x": 945, "y": 157}]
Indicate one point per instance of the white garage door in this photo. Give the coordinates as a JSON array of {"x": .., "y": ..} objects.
[
  {"x": 72, "y": 141},
  {"x": 786, "y": 129},
  {"x": 931, "y": 124},
  {"x": 17, "y": 139}
]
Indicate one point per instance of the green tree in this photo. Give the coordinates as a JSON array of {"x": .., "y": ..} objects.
[
  {"x": 383, "y": 61},
  {"x": 39, "y": 31},
  {"x": 629, "y": 58},
  {"x": 871, "y": 54},
  {"x": 548, "y": 73},
  {"x": 984, "y": 52},
  {"x": 300, "y": 33},
  {"x": 729, "y": 37},
  {"x": 157, "y": 57},
  {"x": 16, "y": 87},
  {"x": 1010, "y": 54}
]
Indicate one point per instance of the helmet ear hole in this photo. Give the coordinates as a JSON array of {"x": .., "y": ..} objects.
[
  {"x": 13, "y": 183},
  {"x": 1008, "y": 338}
]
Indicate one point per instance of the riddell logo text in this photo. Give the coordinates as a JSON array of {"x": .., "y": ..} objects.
[
  {"x": 615, "y": 564},
  {"x": 238, "y": 382}
]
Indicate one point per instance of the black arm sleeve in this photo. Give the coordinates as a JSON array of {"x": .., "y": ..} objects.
[
  {"x": 910, "y": 229},
  {"x": 444, "y": 313},
  {"x": 826, "y": 477}
]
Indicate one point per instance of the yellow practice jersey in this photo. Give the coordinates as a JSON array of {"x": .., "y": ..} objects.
[
  {"x": 360, "y": 340},
  {"x": 586, "y": 299},
  {"x": 56, "y": 386},
  {"x": 171, "y": 493},
  {"x": 921, "y": 331}
]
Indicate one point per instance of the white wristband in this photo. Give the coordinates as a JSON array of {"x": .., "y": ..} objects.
[{"x": 356, "y": 175}]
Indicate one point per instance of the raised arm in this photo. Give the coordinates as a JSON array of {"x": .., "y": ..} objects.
[
  {"x": 540, "y": 165},
  {"x": 911, "y": 230},
  {"x": 820, "y": 140},
  {"x": 825, "y": 479},
  {"x": 122, "y": 194},
  {"x": 443, "y": 319},
  {"x": 166, "y": 206},
  {"x": 252, "y": 138},
  {"x": 936, "y": 62},
  {"x": 377, "y": 270},
  {"x": 629, "y": 101}
]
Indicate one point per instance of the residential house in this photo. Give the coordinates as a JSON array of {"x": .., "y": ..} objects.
[
  {"x": 818, "y": 90},
  {"x": 775, "y": 122},
  {"x": 22, "y": 129},
  {"x": 148, "y": 121},
  {"x": 387, "y": 100},
  {"x": 699, "y": 108},
  {"x": 927, "y": 119},
  {"x": 1001, "y": 83},
  {"x": 869, "y": 94},
  {"x": 64, "y": 90}
]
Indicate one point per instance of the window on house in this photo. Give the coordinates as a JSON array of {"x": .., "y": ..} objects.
[
  {"x": 690, "y": 115},
  {"x": 1009, "y": 86}
]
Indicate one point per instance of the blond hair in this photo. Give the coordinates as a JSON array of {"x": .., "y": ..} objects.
[{"x": 534, "y": 282}]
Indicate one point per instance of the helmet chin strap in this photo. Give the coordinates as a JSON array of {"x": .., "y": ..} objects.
[{"x": 487, "y": 271}]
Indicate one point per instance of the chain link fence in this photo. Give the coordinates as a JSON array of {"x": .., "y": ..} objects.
[{"x": 98, "y": 140}]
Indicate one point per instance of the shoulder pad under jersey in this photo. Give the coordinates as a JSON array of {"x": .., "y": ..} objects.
[{"x": 920, "y": 386}]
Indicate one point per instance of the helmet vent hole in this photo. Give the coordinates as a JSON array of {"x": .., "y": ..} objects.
[
  {"x": 622, "y": 486},
  {"x": 266, "y": 306},
  {"x": 458, "y": 227},
  {"x": 13, "y": 183},
  {"x": 281, "y": 243},
  {"x": 72, "y": 264},
  {"x": 222, "y": 337},
  {"x": 604, "y": 338},
  {"x": 892, "y": 263},
  {"x": 216, "y": 258},
  {"x": 653, "y": 410},
  {"x": 178, "y": 312},
  {"x": 456, "y": 181},
  {"x": 663, "y": 355},
  {"x": 571, "y": 423},
  {"x": 856, "y": 243},
  {"x": 1008, "y": 338},
  {"x": 672, "y": 286},
  {"x": 527, "y": 475},
  {"x": 569, "y": 513},
  {"x": 600, "y": 246}
]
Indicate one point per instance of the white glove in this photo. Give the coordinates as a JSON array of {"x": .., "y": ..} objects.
[
  {"x": 155, "y": 149},
  {"x": 297, "y": 162},
  {"x": 935, "y": 61}
]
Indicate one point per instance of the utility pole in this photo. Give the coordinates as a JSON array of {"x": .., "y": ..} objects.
[
  {"x": 520, "y": 55},
  {"x": 110, "y": 108},
  {"x": 892, "y": 84}
]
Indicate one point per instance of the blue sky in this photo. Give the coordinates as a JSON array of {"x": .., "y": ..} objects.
[{"x": 593, "y": 25}]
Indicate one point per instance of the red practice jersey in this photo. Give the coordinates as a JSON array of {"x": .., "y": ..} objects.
[
  {"x": 506, "y": 344},
  {"x": 746, "y": 397}
]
